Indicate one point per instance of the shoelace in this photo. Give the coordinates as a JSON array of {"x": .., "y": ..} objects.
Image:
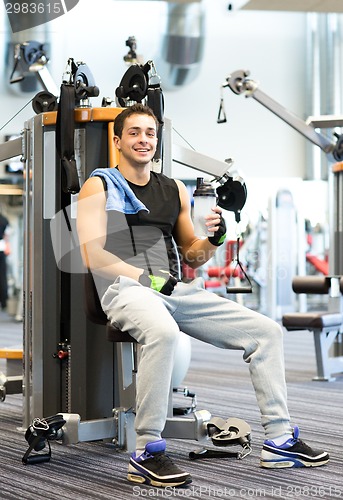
[
  {"x": 306, "y": 448},
  {"x": 164, "y": 461}
]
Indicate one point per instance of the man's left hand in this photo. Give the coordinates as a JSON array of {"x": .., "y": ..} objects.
[{"x": 218, "y": 226}]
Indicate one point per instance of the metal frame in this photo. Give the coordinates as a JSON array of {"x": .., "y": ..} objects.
[
  {"x": 327, "y": 364},
  {"x": 52, "y": 299},
  {"x": 329, "y": 361}
]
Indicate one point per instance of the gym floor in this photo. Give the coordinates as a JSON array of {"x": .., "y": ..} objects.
[{"x": 221, "y": 381}]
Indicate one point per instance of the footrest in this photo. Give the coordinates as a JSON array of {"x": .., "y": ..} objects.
[
  {"x": 223, "y": 433},
  {"x": 228, "y": 432},
  {"x": 312, "y": 320}
]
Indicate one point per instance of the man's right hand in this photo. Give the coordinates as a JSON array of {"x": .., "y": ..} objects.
[{"x": 161, "y": 281}]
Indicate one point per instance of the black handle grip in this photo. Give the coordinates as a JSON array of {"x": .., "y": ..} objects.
[
  {"x": 36, "y": 459},
  {"x": 239, "y": 289}
]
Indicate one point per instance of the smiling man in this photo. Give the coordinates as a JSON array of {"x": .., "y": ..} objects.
[{"x": 127, "y": 219}]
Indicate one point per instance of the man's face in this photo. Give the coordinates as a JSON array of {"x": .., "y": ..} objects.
[{"x": 139, "y": 139}]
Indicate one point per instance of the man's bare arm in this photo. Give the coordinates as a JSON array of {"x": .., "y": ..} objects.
[{"x": 92, "y": 228}]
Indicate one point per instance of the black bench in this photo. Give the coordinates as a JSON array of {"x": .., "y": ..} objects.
[{"x": 327, "y": 326}]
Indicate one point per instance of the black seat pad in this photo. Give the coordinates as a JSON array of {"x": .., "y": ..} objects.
[{"x": 309, "y": 320}]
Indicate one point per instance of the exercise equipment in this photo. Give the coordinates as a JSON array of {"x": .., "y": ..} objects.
[
  {"x": 232, "y": 275},
  {"x": 77, "y": 87},
  {"x": 40, "y": 432},
  {"x": 70, "y": 372},
  {"x": 240, "y": 83},
  {"x": 326, "y": 326},
  {"x": 232, "y": 431},
  {"x": 30, "y": 57},
  {"x": 245, "y": 285},
  {"x": 11, "y": 381},
  {"x": 286, "y": 253}
]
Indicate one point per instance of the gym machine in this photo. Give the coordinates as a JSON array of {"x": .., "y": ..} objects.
[
  {"x": 327, "y": 326},
  {"x": 69, "y": 369},
  {"x": 240, "y": 83},
  {"x": 31, "y": 59}
]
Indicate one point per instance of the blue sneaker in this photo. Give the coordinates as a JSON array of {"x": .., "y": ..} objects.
[
  {"x": 293, "y": 453},
  {"x": 155, "y": 468}
]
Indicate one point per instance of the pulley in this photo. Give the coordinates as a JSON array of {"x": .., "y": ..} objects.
[
  {"x": 232, "y": 195},
  {"x": 133, "y": 85},
  {"x": 44, "y": 101}
]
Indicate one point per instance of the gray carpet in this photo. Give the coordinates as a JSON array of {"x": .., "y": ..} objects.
[{"x": 221, "y": 381}]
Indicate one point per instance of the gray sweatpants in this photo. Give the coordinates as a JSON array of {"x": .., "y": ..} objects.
[{"x": 155, "y": 321}]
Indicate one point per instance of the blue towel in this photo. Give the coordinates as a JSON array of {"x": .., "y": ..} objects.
[{"x": 120, "y": 196}]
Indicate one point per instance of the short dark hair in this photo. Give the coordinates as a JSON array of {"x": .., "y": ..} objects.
[{"x": 135, "y": 109}]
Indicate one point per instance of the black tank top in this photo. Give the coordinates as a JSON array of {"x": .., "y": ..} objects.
[{"x": 145, "y": 239}]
